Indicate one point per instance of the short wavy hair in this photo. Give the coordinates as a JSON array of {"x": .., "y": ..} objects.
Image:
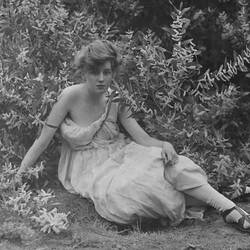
[{"x": 95, "y": 54}]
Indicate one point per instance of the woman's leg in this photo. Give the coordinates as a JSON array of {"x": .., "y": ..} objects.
[
  {"x": 206, "y": 193},
  {"x": 193, "y": 202},
  {"x": 210, "y": 196}
]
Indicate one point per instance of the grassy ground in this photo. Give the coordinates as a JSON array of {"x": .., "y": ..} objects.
[{"x": 88, "y": 231}]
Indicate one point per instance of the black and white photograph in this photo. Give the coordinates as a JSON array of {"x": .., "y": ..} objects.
[{"x": 124, "y": 125}]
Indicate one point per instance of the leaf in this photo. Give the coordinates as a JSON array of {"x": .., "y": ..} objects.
[
  {"x": 168, "y": 30},
  {"x": 185, "y": 10}
]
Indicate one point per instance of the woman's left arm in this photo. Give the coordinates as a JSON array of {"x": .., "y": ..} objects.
[{"x": 140, "y": 136}]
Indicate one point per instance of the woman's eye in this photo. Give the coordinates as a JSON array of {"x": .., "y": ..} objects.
[
  {"x": 94, "y": 72},
  {"x": 97, "y": 71},
  {"x": 107, "y": 72}
]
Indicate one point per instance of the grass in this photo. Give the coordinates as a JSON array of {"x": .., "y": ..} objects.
[{"x": 88, "y": 230}]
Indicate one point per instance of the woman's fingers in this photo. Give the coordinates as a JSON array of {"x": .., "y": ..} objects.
[
  {"x": 175, "y": 159},
  {"x": 164, "y": 156},
  {"x": 169, "y": 154},
  {"x": 172, "y": 156}
]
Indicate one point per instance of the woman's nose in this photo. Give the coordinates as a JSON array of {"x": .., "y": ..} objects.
[{"x": 100, "y": 77}]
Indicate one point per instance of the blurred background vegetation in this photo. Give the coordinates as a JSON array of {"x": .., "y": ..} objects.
[{"x": 185, "y": 74}]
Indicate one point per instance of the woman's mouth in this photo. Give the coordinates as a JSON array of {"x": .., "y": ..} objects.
[{"x": 100, "y": 86}]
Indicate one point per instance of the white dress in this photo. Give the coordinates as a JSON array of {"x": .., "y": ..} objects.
[{"x": 124, "y": 180}]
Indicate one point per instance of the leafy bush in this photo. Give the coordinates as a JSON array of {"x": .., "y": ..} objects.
[
  {"x": 175, "y": 101},
  {"x": 29, "y": 204},
  {"x": 163, "y": 77},
  {"x": 38, "y": 41}
]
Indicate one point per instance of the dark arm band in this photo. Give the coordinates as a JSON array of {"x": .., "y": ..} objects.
[{"x": 51, "y": 126}]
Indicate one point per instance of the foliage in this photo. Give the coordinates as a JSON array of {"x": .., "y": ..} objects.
[
  {"x": 175, "y": 101},
  {"x": 30, "y": 204},
  {"x": 15, "y": 230},
  {"x": 51, "y": 220},
  {"x": 236, "y": 32},
  {"x": 38, "y": 39},
  {"x": 178, "y": 89}
]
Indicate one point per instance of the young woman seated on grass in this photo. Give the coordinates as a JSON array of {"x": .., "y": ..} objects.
[{"x": 124, "y": 178}]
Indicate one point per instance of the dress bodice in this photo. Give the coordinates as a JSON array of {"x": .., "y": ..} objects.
[{"x": 100, "y": 132}]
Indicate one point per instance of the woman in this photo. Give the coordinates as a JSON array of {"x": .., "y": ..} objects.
[{"x": 124, "y": 179}]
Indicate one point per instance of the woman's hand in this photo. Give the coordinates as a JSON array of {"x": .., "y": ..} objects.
[
  {"x": 19, "y": 174},
  {"x": 18, "y": 179},
  {"x": 169, "y": 154}
]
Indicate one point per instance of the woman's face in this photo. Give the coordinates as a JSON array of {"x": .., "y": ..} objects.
[{"x": 99, "y": 78}]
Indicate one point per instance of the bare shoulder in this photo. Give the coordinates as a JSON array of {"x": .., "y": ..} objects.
[{"x": 71, "y": 93}]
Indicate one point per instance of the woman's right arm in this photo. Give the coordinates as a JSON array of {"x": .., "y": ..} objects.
[{"x": 56, "y": 116}]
